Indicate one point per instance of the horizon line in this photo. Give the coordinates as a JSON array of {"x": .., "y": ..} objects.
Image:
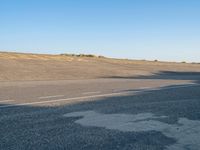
[{"x": 123, "y": 58}]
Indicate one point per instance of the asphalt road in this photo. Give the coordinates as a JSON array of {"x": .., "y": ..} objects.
[{"x": 101, "y": 114}]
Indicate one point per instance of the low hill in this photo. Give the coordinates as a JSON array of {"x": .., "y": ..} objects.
[{"x": 19, "y": 66}]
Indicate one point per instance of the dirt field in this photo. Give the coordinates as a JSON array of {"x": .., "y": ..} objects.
[{"x": 21, "y": 67}]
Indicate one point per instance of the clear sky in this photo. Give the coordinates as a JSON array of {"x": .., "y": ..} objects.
[{"x": 138, "y": 29}]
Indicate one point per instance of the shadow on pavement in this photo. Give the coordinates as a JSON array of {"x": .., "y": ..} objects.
[
  {"x": 167, "y": 75},
  {"x": 45, "y": 127}
]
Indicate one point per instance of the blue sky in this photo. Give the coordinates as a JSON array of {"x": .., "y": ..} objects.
[{"x": 137, "y": 29}]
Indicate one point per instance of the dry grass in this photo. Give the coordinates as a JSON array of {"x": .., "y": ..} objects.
[
  {"x": 5, "y": 55},
  {"x": 18, "y": 66}
]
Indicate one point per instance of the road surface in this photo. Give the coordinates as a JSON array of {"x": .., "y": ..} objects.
[{"x": 100, "y": 114}]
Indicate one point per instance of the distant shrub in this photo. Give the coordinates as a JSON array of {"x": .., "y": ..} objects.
[
  {"x": 183, "y": 62},
  {"x": 155, "y": 60},
  {"x": 101, "y": 56},
  {"x": 67, "y": 54},
  {"x": 81, "y": 55},
  {"x": 86, "y": 55}
]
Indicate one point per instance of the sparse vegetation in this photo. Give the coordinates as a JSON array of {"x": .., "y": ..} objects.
[
  {"x": 73, "y": 55},
  {"x": 86, "y": 55},
  {"x": 82, "y": 55},
  {"x": 101, "y": 56},
  {"x": 22, "y": 66}
]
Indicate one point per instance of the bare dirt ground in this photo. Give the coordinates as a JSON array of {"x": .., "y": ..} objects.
[{"x": 23, "y": 67}]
